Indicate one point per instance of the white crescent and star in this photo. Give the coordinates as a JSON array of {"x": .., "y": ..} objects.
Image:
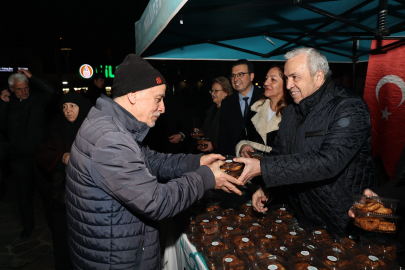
[{"x": 390, "y": 79}]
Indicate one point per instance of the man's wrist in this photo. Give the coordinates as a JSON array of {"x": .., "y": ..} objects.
[{"x": 182, "y": 136}]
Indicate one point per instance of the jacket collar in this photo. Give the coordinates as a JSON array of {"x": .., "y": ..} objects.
[
  {"x": 137, "y": 128},
  {"x": 259, "y": 120},
  {"x": 309, "y": 102}
]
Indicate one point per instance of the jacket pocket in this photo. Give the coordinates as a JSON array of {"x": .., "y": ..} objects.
[{"x": 314, "y": 133}]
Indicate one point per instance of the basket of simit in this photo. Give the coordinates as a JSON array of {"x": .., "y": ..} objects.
[{"x": 376, "y": 214}]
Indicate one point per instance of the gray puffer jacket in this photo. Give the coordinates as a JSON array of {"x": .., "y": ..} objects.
[
  {"x": 322, "y": 154},
  {"x": 113, "y": 195}
]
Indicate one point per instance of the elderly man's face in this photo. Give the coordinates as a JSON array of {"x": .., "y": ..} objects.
[
  {"x": 149, "y": 104},
  {"x": 20, "y": 89},
  {"x": 300, "y": 83},
  {"x": 71, "y": 111}
]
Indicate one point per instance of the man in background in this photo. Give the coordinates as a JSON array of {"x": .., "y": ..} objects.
[
  {"x": 22, "y": 113},
  {"x": 96, "y": 89},
  {"x": 235, "y": 107}
]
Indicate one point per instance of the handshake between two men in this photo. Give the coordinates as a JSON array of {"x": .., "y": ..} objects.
[{"x": 227, "y": 182}]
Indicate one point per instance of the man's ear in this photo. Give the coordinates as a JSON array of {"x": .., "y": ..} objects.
[
  {"x": 319, "y": 78},
  {"x": 132, "y": 97},
  {"x": 252, "y": 76},
  {"x": 11, "y": 88}
]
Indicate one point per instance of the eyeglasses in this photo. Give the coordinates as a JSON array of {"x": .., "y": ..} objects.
[
  {"x": 215, "y": 91},
  {"x": 239, "y": 75}
]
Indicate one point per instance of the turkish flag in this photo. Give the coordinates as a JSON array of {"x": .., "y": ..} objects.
[{"x": 385, "y": 95}]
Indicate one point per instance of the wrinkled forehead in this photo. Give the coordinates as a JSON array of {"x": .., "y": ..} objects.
[{"x": 20, "y": 84}]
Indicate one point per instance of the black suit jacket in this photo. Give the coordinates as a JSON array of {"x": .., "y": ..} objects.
[{"x": 231, "y": 121}]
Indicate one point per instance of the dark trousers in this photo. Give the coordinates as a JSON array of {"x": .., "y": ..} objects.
[{"x": 27, "y": 177}]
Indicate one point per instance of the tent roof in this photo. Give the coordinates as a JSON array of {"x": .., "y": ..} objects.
[{"x": 265, "y": 30}]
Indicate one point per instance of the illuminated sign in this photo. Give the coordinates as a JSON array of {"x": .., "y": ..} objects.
[
  {"x": 107, "y": 70},
  {"x": 6, "y": 69},
  {"x": 86, "y": 71}
]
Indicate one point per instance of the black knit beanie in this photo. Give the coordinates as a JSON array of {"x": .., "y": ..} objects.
[{"x": 135, "y": 74}]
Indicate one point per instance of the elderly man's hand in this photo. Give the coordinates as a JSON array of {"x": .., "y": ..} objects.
[
  {"x": 176, "y": 138},
  {"x": 27, "y": 73},
  {"x": 224, "y": 181},
  {"x": 245, "y": 150},
  {"x": 209, "y": 159},
  {"x": 5, "y": 95},
  {"x": 367, "y": 192},
  {"x": 252, "y": 168},
  {"x": 259, "y": 198}
]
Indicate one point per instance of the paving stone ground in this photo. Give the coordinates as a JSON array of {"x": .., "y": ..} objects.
[{"x": 33, "y": 253}]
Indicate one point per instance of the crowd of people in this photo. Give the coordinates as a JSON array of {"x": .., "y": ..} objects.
[{"x": 105, "y": 182}]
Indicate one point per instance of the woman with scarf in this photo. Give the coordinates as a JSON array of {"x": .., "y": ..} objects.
[{"x": 53, "y": 156}]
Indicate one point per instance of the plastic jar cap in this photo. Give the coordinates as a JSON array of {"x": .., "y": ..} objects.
[
  {"x": 305, "y": 253},
  {"x": 332, "y": 258}
]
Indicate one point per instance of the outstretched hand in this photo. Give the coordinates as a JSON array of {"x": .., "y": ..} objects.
[
  {"x": 367, "y": 192},
  {"x": 259, "y": 199},
  {"x": 252, "y": 168},
  {"x": 209, "y": 159},
  {"x": 224, "y": 181},
  {"x": 245, "y": 150}
]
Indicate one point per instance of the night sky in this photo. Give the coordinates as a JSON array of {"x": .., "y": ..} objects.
[{"x": 95, "y": 30}]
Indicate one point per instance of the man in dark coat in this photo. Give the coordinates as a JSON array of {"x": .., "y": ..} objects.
[
  {"x": 22, "y": 113},
  {"x": 114, "y": 197},
  {"x": 235, "y": 107},
  {"x": 169, "y": 133},
  {"x": 322, "y": 152}
]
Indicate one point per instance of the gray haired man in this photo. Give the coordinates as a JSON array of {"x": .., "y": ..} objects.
[
  {"x": 22, "y": 114},
  {"x": 322, "y": 152}
]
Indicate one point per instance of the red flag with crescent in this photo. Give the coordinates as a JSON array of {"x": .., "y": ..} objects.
[{"x": 385, "y": 95}]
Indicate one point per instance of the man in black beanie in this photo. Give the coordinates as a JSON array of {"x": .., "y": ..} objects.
[{"x": 113, "y": 195}]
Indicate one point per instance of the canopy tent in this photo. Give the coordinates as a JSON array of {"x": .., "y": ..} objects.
[{"x": 266, "y": 29}]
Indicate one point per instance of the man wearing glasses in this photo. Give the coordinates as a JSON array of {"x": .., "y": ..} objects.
[{"x": 235, "y": 107}]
